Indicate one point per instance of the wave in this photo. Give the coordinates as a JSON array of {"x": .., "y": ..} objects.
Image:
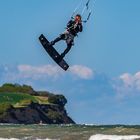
[{"x": 113, "y": 137}]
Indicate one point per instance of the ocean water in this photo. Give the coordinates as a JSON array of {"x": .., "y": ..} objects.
[{"x": 69, "y": 132}]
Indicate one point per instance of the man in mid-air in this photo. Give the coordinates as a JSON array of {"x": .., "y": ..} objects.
[{"x": 73, "y": 28}]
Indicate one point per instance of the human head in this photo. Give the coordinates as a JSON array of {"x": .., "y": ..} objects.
[{"x": 78, "y": 18}]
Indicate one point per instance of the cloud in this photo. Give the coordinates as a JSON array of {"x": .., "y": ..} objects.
[
  {"x": 127, "y": 79},
  {"x": 81, "y": 71},
  {"x": 43, "y": 72},
  {"x": 132, "y": 81},
  {"x": 127, "y": 84},
  {"x": 38, "y": 72}
]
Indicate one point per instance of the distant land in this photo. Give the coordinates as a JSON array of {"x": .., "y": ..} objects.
[{"x": 21, "y": 104}]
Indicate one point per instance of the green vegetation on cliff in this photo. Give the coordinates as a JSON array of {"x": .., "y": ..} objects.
[
  {"x": 13, "y": 97},
  {"x": 8, "y": 87},
  {"x": 22, "y": 96}
]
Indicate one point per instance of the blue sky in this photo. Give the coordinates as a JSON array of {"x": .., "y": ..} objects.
[{"x": 103, "y": 83}]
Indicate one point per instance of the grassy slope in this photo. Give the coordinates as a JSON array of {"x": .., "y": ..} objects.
[{"x": 21, "y": 99}]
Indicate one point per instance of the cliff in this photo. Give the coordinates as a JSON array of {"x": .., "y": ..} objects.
[{"x": 23, "y": 105}]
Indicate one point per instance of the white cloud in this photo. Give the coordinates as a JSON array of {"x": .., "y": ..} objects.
[
  {"x": 54, "y": 71},
  {"x": 127, "y": 79},
  {"x": 127, "y": 84},
  {"x": 81, "y": 71},
  {"x": 37, "y": 72},
  {"x": 131, "y": 80},
  {"x": 43, "y": 72}
]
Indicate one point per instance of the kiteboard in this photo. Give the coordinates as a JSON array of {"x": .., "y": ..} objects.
[{"x": 53, "y": 53}]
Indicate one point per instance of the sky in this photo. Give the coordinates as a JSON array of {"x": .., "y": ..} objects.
[{"x": 102, "y": 85}]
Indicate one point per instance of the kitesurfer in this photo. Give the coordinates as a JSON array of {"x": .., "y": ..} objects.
[{"x": 74, "y": 26}]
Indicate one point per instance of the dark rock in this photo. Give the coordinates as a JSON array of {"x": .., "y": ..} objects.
[{"x": 36, "y": 113}]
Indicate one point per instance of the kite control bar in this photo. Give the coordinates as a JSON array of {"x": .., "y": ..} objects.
[
  {"x": 86, "y": 7},
  {"x": 88, "y": 17}
]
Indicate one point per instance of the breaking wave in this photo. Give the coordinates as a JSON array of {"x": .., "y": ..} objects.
[{"x": 113, "y": 137}]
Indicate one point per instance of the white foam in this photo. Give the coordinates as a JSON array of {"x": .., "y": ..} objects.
[{"x": 113, "y": 137}]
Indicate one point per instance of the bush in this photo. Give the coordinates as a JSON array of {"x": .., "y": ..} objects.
[
  {"x": 17, "y": 88},
  {"x": 4, "y": 107},
  {"x": 57, "y": 99}
]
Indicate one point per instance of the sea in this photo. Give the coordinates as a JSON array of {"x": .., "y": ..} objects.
[{"x": 69, "y": 132}]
